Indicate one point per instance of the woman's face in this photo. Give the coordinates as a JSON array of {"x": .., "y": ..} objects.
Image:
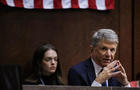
[{"x": 49, "y": 62}]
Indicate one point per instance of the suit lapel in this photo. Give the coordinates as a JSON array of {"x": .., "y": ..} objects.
[
  {"x": 110, "y": 82},
  {"x": 90, "y": 71},
  {"x": 113, "y": 82}
]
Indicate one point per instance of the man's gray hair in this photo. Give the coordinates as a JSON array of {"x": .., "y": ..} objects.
[{"x": 104, "y": 34}]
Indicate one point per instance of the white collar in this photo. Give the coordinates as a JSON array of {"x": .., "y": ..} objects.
[{"x": 96, "y": 67}]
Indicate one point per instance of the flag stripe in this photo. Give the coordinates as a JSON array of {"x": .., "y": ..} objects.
[
  {"x": 18, "y": 3},
  {"x": 38, "y": 4},
  {"x": 83, "y": 3},
  {"x": 57, "y": 4},
  {"x": 109, "y": 4},
  {"x": 28, "y": 4},
  {"x": 74, "y": 4},
  {"x": 61, "y": 4},
  {"x": 66, "y": 3},
  {"x": 100, "y": 4},
  {"x": 4, "y": 2},
  {"x": 92, "y": 4},
  {"x": 10, "y": 3},
  {"x": 48, "y": 4}
]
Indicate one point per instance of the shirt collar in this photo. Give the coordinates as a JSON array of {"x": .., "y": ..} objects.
[{"x": 96, "y": 67}]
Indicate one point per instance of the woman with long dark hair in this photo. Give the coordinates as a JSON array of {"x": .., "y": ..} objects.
[{"x": 46, "y": 67}]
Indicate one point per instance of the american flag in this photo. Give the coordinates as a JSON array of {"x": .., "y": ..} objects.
[{"x": 61, "y": 4}]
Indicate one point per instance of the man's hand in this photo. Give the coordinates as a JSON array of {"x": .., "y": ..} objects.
[
  {"x": 108, "y": 72},
  {"x": 121, "y": 76}
]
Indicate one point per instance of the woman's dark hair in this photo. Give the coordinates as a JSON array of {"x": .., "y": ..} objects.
[{"x": 37, "y": 59}]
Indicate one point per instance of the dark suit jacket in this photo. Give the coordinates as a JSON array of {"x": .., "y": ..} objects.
[{"x": 83, "y": 74}]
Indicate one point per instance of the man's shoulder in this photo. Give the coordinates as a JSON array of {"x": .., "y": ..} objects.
[{"x": 82, "y": 65}]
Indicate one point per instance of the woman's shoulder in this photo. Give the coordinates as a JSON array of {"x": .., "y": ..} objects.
[{"x": 32, "y": 80}]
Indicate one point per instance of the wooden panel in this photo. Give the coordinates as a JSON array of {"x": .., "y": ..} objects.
[
  {"x": 126, "y": 36},
  {"x": 136, "y": 37}
]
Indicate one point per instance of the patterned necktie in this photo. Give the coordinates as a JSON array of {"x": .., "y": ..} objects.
[{"x": 104, "y": 84}]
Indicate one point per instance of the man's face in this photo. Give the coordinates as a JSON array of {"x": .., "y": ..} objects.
[{"x": 104, "y": 52}]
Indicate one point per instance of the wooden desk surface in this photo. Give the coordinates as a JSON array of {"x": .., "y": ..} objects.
[{"x": 37, "y": 87}]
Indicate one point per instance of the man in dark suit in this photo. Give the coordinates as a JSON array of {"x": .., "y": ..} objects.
[{"x": 100, "y": 69}]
